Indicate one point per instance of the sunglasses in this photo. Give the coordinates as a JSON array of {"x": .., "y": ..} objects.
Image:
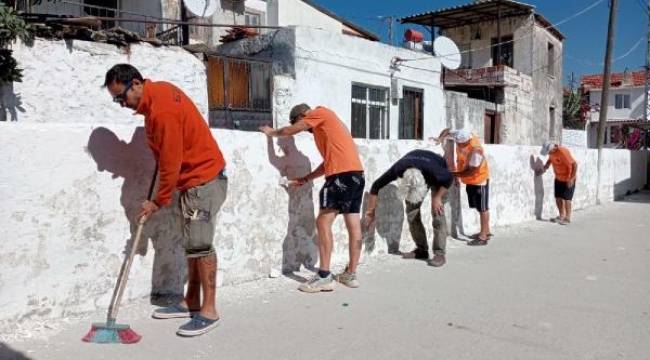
[{"x": 122, "y": 97}]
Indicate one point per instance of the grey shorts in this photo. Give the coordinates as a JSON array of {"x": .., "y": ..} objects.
[{"x": 199, "y": 207}]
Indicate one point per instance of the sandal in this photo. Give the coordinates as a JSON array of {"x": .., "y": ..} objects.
[{"x": 478, "y": 242}]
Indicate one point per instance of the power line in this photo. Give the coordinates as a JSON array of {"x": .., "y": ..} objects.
[
  {"x": 626, "y": 54},
  {"x": 517, "y": 39}
]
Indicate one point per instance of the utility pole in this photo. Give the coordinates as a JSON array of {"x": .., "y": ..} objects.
[
  {"x": 646, "y": 133},
  {"x": 607, "y": 72}
]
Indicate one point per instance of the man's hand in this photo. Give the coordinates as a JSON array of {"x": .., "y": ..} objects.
[
  {"x": 571, "y": 182},
  {"x": 437, "y": 207},
  {"x": 298, "y": 182},
  {"x": 267, "y": 130},
  {"x": 147, "y": 209},
  {"x": 370, "y": 218}
]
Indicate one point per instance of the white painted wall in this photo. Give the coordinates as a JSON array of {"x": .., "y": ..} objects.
[
  {"x": 318, "y": 66},
  {"x": 70, "y": 80},
  {"x": 575, "y": 138},
  {"x": 298, "y": 13},
  {"x": 636, "y": 101},
  {"x": 74, "y": 189}
]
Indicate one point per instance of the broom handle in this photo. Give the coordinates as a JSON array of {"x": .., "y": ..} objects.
[{"x": 124, "y": 275}]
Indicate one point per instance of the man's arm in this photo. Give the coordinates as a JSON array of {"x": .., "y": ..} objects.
[
  {"x": 437, "y": 207},
  {"x": 471, "y": 167},
  {"x": 290, "y": 130},
  {"x": 386, "y": 178},
  {"x": 573, "y": 174},
  {"x": 318, "y": 172}
]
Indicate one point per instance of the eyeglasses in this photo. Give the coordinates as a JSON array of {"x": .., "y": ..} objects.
[{"x": 122, "y": 97}]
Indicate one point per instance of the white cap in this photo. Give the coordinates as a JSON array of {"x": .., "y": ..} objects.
[
  {"x": 460, "y": 136},
  {"x": 548, "y": 147},
  {"x": 412, "y": 187}
]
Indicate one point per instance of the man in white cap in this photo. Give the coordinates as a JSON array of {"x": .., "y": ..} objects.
[
  {"x": 566, "y": 170},
  {"x": 419, "y": 170},
  {"x": 473, "y": 171}
]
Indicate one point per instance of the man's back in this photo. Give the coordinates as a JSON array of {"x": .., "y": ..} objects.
[
  {"x": 334, "y": 142},
  {"x": 179, "y": 137}
]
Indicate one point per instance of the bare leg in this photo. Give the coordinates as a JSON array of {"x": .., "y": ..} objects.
[
  {"x": 353, "y": 224},
  {"x": 192, "y": 299},
  {"x": 560, "y": 207},
  {"x": 567, "y": 208},
  {"x": 208, "y": 273},
  {"x": 324, "y": 223},
  {"x": 485, "y": 224}
]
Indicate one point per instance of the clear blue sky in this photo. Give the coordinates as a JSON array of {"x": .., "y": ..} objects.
[{"x": 584, "y": 48}]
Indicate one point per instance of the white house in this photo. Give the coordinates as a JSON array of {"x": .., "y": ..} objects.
[
  {"x": 257, "y": 80},
  {"x": 625, "y": 105}
]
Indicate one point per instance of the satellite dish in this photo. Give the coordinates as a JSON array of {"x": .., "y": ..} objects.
[
  {"x": 202, "y": 8},
  {"x": 448, "y": 52}
]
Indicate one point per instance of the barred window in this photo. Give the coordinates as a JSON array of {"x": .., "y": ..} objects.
[{"x": 369, "y": 118}]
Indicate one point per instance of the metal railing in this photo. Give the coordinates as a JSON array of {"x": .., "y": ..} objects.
[{"x": 168, "y": 33}]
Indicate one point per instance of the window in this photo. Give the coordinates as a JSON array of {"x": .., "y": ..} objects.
[
  {"x": 252, "y": 18},
  {"x": 614, "y": 137},
  {"x": 239, "y": 85},
  {"x": 622, "y": 101},
  {"x": 551, "y": 123},
  {"x": 505, "y": 57},
  {"x": 551, "y": 60},
  {"x": 465, "y": 56},
  {"x": 369, "y": 112},
  {"x": 411, "y": 114},
  {"x": 101, "y": 8}
]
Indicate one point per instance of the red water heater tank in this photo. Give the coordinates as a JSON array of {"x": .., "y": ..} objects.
[{"x": 413, "y": 35}]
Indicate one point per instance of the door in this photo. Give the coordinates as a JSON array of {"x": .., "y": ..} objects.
[
  {"x": 411, "y": 114},
  {"x": 492, "y": 125}
]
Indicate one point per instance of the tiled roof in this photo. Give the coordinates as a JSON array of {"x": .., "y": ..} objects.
[{"x": 596, "y": 81}]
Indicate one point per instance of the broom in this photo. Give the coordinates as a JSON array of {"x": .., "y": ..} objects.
[{"x": 111, "y": 332}]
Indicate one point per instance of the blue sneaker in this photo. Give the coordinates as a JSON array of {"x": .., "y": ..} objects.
[
  {"x": 173, "y": 312},
  {"x": 199, "y": 325}
]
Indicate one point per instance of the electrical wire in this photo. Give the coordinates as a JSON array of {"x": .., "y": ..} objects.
[{"x": 520, "y": 38}]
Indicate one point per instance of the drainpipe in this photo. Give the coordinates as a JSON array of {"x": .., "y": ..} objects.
[{"x": 498, "y": 62}]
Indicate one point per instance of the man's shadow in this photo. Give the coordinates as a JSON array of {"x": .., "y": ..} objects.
[
  {"x": 10, "y": 102},
  {"x": 135, "y": 164},
  {"x": 299, "y": 246},
  {"x": 389, "y": 220},
  {"x": 455, "y": 225},
  {"x": 536, "y": 164}
]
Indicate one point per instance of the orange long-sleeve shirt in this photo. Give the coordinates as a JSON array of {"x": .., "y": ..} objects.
[{"x": 187, "y": 153}]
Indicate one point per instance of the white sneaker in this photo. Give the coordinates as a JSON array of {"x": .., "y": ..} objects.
[
  {"x": 347, "y": 279},
  {"x": 318, "y": 284}
]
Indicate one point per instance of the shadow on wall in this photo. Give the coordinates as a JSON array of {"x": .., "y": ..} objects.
[
  {"x": 300, "y": 243},
  {"x": 7, "y": 353},
  {"x": 536, "y": 165},
  {"x": 639, "y": 168},
  {"x": 389, "y": 220},
  {"x": 134, "y": 163},
  {"x": 10, "y": 103}
]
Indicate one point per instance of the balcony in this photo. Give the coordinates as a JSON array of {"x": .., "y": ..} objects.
[{"x": 500, "y": 75}]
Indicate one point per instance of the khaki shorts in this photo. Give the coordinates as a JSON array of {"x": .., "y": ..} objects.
[{"x": 199, "y": 207}]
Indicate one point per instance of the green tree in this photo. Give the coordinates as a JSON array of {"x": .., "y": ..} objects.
[{"x": 12, "y": 27}]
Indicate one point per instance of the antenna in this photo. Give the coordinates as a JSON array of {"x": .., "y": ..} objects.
[
  {"x": 448, "y": 52},
  {"x": 202, "y": 8}
]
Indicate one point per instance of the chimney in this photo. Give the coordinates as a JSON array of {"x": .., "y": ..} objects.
[{"x": 627, "y": 78}]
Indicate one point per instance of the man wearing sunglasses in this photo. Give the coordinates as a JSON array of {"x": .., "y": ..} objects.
[
  {"x": 189, "y": 159},
  {"x": 341, "y": 194}
]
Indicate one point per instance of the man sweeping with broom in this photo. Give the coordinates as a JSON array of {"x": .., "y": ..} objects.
[{"x": 189, "y": 159}]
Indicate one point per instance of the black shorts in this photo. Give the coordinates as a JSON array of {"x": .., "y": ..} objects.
[
  {"x": 478, "y": 196},
  {"x": 563, "y": 191},
  {"x": 343, "y": 192}
]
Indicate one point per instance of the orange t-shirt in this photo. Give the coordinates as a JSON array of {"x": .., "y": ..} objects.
[
  {"x": 562, "y": 163},
  {"x": 463, "y": 153},
  {"x": 181, "y": 141},
  {"x": 333, "y": 141}
]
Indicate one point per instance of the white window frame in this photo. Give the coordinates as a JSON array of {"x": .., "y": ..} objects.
[
  {"x": 250, "y": 14},
  {"x": 384, "y": 132},
  {"x": 622, "y": 101}
]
